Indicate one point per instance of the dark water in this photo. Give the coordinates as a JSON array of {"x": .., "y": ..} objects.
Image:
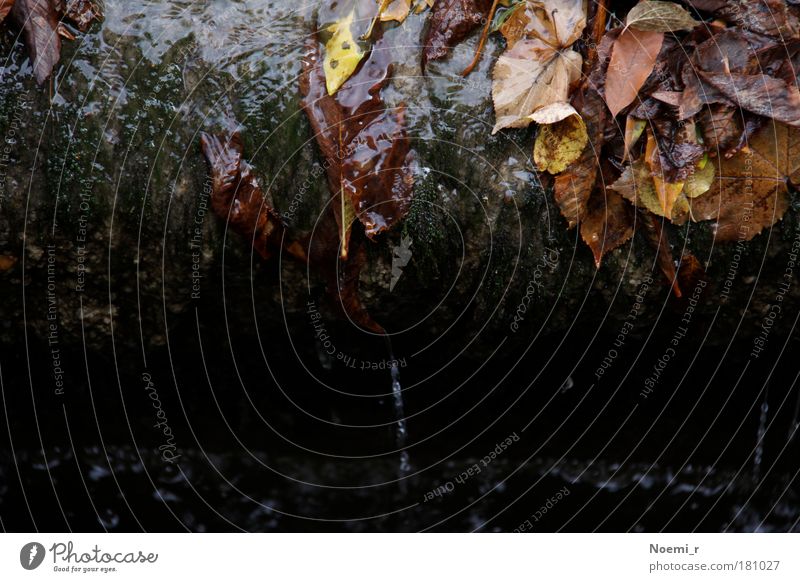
[{"x": 265, "y": 438}]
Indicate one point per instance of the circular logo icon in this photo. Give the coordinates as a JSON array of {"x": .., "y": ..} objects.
[{"x": 31, "y": 555}]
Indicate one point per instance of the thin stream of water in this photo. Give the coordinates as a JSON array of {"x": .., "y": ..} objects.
[{"x": 401, "y": 431}]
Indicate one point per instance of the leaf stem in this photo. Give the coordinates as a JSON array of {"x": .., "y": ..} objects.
[{"x": 482, "y": 42}]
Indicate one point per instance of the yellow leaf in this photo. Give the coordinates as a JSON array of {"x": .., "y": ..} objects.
[
  {"x": 396, "y": 10},
  {"x": 560, "y": 144},
  {"x": 701, "y": 181},
  {"x": 342, "y": 54},
  {"x": 633, "y": 131},
  {"x": 667, "y": 192}
]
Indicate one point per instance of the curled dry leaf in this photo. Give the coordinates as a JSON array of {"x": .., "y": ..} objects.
[
  {"x": 558, "y": 145},
  {"x": 632, "y": 60},
  {"x": 451, "y": 22},
  {"x": 658, "y": 16},
  {"x": 365, "y": 145},
  {"x": 39, "y": 22},
  {"x": 236, "y": 195},
  {"x": 540, "y": 66},
  {"x": 751, "y": 189},
  {"x": 607, "y": 225}
]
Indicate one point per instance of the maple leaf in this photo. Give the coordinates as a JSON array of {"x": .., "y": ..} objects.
[
  {"x": 750, "y": 191},
  {"x": 451, "y": 21},
  {"x": 539, "y": 67},
  {"x": 364, "y": 144}
]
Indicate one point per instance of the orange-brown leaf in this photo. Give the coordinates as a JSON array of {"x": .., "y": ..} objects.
[{"x": 632, "y": 61}]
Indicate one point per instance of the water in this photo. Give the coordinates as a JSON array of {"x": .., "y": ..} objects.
[
  {"x": 401, "y": 430},
  {"x": 762, "y": 430}
]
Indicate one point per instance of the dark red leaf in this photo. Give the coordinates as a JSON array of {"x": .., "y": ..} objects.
[
  {"x": 5, "y": 8},
  {"x": 365, "y": 145},
  {"x": 237, "y": 197},
  {"x": 451, "y": 21}
]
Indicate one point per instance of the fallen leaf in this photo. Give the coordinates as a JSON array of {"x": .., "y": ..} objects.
[
  {"x": 636, "y": 185},
  {"x": 667, "y": 192},
  {"x": 540, "y": 67},
  {"x": 633, "y": 131},
  {"x": 559, "y": 144},
  {"x": 5, "y": 8},
  {"x": 658, "y": 16},
  {"x": 721, "y": 126},
  {"x": 451, "y": 21},
  {"x": 397, "y": 10},
  {"x": 39, "y": 22},
  {"x": 761, "y": 94},
  {"x": 701, "y": 180},
  {"x": 343, "y": 53},
  {"x": 608, "y": 224},
  {"x": 751, "y": 190},
  {"x": 658, "y": 237},
  {"x": 236, "y": 195},
  {"x": 632, "y": 60},
  {"x": 82, "y": 13},
  {"x": 769, "y": 17},
  {"x": 365, "y": 145}
]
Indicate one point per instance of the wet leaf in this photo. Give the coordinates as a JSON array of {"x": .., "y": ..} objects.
[
  {"x": 39, "y": 22},
  {"x": 451, "y": 21},
  {"x": 769, "y": 17},
  {"x": 559, "y": 144},
  {"x": 365, "y": 145},
  {"x": 751, "y": 191},
  {"x": 343, "y": 54},
  {"x": 82, "y": 13},
  {"x": 667, "y": 192},
  {"x": 540, "y": 67},
  {"x": 5, "y": 8},
  {"x": 632, "y": 60},
  {"x": 658, "y": 16},
  {"x": 608, "y": 224},
  {"x": 760, "y": 93},
  {"x": 236, "y": 195}
]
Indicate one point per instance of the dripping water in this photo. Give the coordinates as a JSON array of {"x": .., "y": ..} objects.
[
  {"x": 401, "y": 431},
  {"x": 762, "y": 429}
]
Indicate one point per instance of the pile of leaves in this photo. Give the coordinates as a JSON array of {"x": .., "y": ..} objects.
[
  {"x": 44, "y": 23},
  {"x": 657, "y": 113}
]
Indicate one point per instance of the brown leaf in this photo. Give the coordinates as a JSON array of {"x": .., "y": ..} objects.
[
  {"x": 769, "y": 17},
  {"x": 82, "y": 13},
  {"x": 451, "y": 21},
  {"x": 365, "y": 145},
  {"x": 608, "y": 224},
  {"x": 658, "y": 237},
  {"x": 632, "y": 60},
  {"x": 7, "y": 262},
  {"x": 761, "y": 94},
  {"x": 236, "y": 195},
  {"x": 5, "y": 8},
  {"x": 751, "y": 191},
  {"x": 721, "y": 125},
  {"x": 39, "y": 22}
]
